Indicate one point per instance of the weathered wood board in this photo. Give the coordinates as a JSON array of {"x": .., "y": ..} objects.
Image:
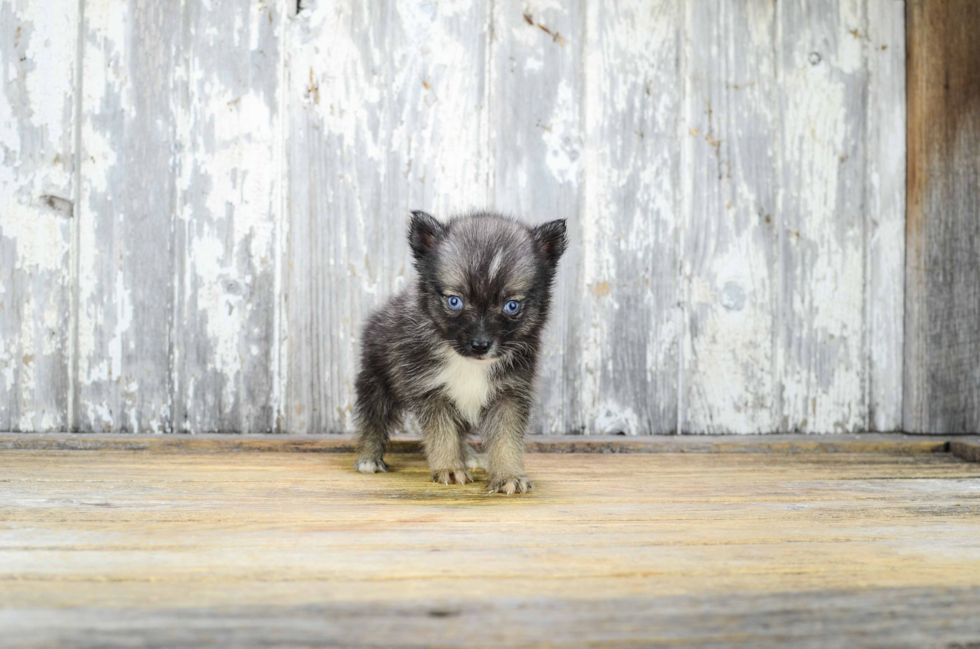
[
  {"x": 900, "y": 618},
  {"x": 131, "y": 548},
  {"x": 880, "y": 443},
  {"x": 731, "y": 264},
  {"x": 225, "y": 350},
  {"x": 535, "y": 145},
  {"x": 885, "y": 214},
  {"x": 37, "y": 106},
  {"x": 386, "y": 114},
  {"x": 732, "y": 175},
  {"x": 127, "y": 168},
  {"x": 822, "y": 345},
  {"x": 914, "y": 618},
  {"x": 942, "y": 309},
  {"x": 622, "y": 309}
]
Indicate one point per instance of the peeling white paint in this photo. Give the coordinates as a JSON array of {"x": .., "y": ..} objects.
[
  {"x": 38, "y": 235},
  {"x": 823, "y": 386},
  {"x": 886, "y": 213},
  {"x": 37, "y": 62},
  {"x": 616, "y": 419},
  {"x": 561, "y": 136},
  {"x": 228, "y": 196},
  {"x": 50, "y": 46},
  {"x": 722, "y": 275}
]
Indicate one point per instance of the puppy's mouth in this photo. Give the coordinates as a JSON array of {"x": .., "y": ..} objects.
[{"x": 487, "y": 355}]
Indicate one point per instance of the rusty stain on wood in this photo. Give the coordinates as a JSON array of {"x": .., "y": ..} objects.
[{"x": 600, "y": 289}]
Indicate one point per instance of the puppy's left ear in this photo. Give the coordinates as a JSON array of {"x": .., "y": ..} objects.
[
  {"x": 424, "y": 233},
  {"x": 552, "y": 240}
]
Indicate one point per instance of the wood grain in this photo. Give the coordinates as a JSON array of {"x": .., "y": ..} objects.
[
  {"x": 905, "y": 618},
  {"x": 125, "y": 267},
  {"x": 885, "y": 214},
  {"x": 730, "y": 261},
  {"x": 623, "y": 378},
  {"x": 225, "y": 362},
  {"x": 37, "y": 104},
  {"x": 942, "y": 307},
  {"x": 130, "y": 538},
  {"x": 822, "y": 229}
]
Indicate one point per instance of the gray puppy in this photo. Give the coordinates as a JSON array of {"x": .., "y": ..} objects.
[{"x": 459, "y": 348}]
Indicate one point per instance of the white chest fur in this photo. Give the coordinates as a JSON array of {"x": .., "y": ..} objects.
[{"x": 467, "y": 383}]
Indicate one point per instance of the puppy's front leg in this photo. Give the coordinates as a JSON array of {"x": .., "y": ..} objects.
[
  {"x": 503, "y": 438},
  {"x": 441, "y": 439}
]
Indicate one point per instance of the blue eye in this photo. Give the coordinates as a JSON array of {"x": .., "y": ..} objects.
[
  {"x": 455, "y": 303},
  {"x": 512, "y": 307}
]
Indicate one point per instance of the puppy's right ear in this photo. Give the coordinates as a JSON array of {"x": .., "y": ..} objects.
[{"x": 424, "y": 233}]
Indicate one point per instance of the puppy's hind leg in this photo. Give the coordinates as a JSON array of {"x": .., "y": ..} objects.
[{"x": 376, "y": 415}]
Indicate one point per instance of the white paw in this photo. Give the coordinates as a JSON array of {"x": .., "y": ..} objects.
[
  {"x": 371, "y": 466},
  {"x": 476, "y": 461},
  {"x": 515, "y": 484},
  {"x": 451, "y": 476}
]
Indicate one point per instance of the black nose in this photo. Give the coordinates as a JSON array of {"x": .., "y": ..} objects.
[{"x": 480, "y": 346}]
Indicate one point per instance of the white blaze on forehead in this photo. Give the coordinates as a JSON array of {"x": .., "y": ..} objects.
[
  {"x": 462, "y": 258},
  {"x": 466, "y": 382},
  {"x": 498, "y": 258}
]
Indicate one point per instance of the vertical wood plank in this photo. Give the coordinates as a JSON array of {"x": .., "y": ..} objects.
[
  {"x": 626, "y": 290},
  {"x": 731, "y": 257},
  {"x": 822, "y": 337},
  {"x": 885, "y": 207},
  {"x": 536, "y": 141},
  {"x": 225, "y": 356},
  {"x": 37, "y": 100},
  {"x": 942, "y": 316},
  {"x": 125, "y": 246},
  {"x": 386, "y": 114}
]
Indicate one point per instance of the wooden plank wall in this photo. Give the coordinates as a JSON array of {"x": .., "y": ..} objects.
[
  {"x": 942, "y": 313},
  {"x": 191, "y": 240},
  {"x": 38, "y": 68}
]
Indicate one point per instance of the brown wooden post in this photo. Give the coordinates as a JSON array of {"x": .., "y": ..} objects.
[{"x": 942, "y": 307}]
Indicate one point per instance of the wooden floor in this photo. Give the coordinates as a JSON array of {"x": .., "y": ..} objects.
[{"x": 113, "y": 548}]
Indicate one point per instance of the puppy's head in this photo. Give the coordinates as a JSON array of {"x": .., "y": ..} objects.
[{"x": 485, "y": 280}]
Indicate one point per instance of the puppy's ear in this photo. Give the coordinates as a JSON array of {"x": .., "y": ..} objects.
[
  {"x": 552, "y": 240},
  {"x": 424, "y": 233}
]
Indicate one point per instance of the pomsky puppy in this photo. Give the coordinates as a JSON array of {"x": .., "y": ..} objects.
[{"x": 459, "y": 348}]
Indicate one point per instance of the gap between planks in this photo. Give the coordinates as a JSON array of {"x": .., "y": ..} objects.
[{"x": 963, "y": 447}]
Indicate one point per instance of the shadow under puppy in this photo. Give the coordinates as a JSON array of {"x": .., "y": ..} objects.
[{"x": 459, "y": 348}]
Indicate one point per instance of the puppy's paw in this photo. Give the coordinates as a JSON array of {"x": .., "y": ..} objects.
[
  {"x": 476, "y": 461},
  {"x": 371, "y": 466},
  {"x": 452, "y": 476},
  {"x": 518, "y": 484}
]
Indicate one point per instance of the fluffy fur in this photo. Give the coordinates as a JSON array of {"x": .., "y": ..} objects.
[{"x": 464, "y": 370}]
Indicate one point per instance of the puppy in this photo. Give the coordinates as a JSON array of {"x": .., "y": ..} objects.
[{"x": 459, "y": 348}]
